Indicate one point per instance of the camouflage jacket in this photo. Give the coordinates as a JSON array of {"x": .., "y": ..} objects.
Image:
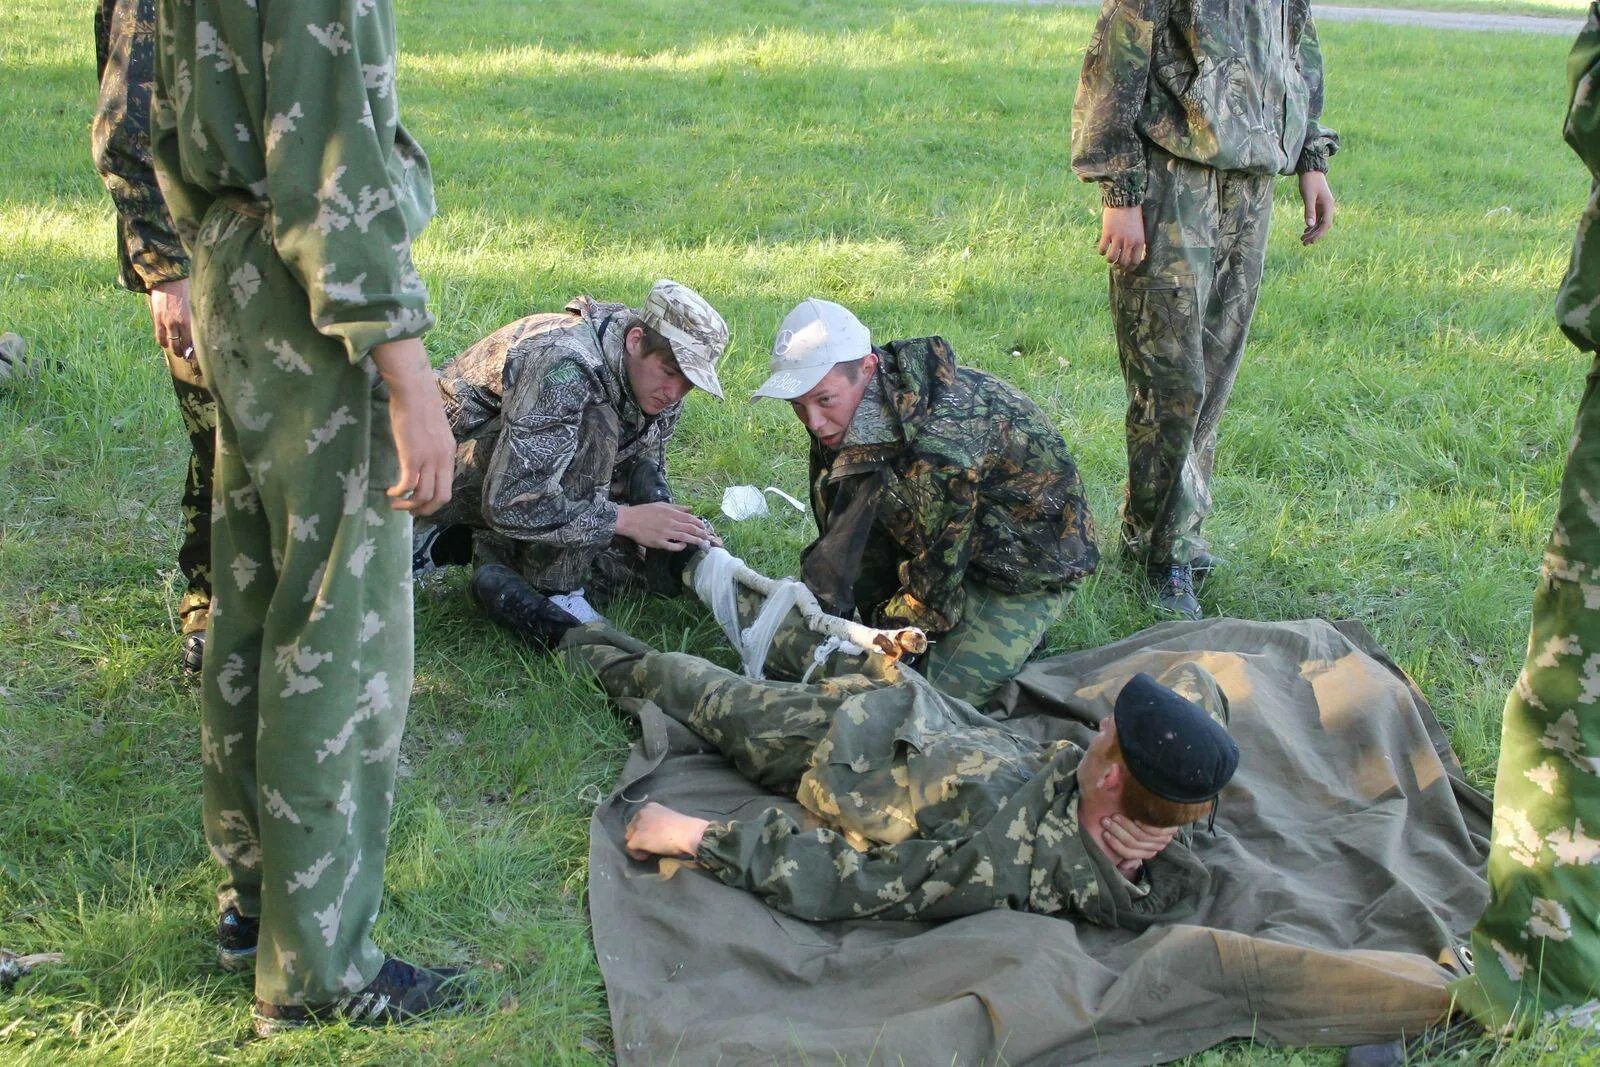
[
  {"x": 148, "y": 250},
  {"x": 541, "y": 378},
  {"x": 973, "y": 481},
  {"x": 316, "y": 148},
  {"x": 1235, "y": 86},
  {"x": 933, "y": 810},
  {"x": 1578, "y": 302}
]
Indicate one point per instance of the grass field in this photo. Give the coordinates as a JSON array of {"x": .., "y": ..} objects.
[{"x": 1392, "y": 452}]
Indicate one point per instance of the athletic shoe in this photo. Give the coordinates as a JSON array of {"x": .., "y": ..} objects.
[
  {"x": 400, "y": 993},
  {"x": 1173, "y": 585},
  {"x": 236, "y": 940},
  {"x": 192, "y": 655}
]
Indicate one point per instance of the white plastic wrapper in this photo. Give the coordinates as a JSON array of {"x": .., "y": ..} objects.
[{"x": 741, "y": 502}]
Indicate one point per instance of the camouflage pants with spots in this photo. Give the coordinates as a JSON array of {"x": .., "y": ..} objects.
[
  {"x": 1181, "y": 319},
  {"x": 199, "y": 412},
  {"x": 973, "y": 662},
  {"x": 1537, "y": 946},
  {"x": 308, "y": 665}
]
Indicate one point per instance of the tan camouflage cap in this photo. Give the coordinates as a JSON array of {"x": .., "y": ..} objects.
[{"x": 697, "y": 333}]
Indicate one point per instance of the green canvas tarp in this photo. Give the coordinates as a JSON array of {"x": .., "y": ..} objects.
[{"x": 1348, "y": 856}]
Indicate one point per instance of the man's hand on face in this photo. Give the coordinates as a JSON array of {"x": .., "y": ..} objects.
[
  {"x": 657, "y": 830},
  {"x": 664, "y": 525},
  {"x": 1129, "y": 843},
  {"x": 169, "y": 315}
]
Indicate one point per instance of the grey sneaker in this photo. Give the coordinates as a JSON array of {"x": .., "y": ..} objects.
[
  {"x": 1173, "y": 584},
  {"x": 399, "y": 994},
  {"x": 192, "y": 655}
]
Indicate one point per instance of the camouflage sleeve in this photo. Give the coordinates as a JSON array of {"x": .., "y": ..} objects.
[
  {"x": 348, "y": 188},
  {"x": 533, "y": 489},
  {"x": 1106, "y": 144},
  {"x": 818, "y": 875},
  {"x": 1321, "y": 142},
  {"x": 930, "y": 593},
  {"x": 148, "y": 248}
]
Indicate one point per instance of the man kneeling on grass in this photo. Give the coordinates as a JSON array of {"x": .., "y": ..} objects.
[
  {"x": 561, "y": 424},
  {"x": 944, "y": 498},
  {"x": 930, "y": 809}
]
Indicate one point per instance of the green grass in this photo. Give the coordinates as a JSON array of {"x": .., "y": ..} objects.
[
  {"x": 1392, "y": 452},
  {"x": 1565, "y": 9}
]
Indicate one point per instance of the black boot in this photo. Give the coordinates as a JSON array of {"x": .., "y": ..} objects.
[
  {"x": 1173, "y": 587},
  {"x": 509, "y": 600}
]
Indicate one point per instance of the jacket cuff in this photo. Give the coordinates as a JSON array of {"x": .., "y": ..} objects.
[
  {"x": 1124, "y": 191},
  {"x": 1313, "y": 158}
]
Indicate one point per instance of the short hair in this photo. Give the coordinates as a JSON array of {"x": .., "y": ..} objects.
[
  {"x": 851, "y": 369},
  {"x": 653, "y": 341},
  {"x": 1141, "y": 804}
]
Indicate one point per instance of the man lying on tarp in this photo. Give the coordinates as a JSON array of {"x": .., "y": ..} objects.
[{"x": 930, "y": 809}]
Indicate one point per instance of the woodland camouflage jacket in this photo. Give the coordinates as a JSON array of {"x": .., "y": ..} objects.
[
  {"x": 976, "y": 483},
  {"x": 1235, "y": 86}
]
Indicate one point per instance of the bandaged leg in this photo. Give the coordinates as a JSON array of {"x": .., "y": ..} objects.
[
  {"x": 777, "y": 626},
  {"x": 766, "y": 729}
]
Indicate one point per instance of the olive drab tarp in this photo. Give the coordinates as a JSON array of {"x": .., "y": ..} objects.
[{"x": 1348, "y": 856}]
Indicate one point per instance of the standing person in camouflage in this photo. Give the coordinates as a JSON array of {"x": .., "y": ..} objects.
[
  {"x": 278, "y": 144},
  {"x": 153, "y": 262},
  {"x": 1537, "y": 946},
  {"x": 944, "y": 498},
  {"x": 561, "y": 425},
  {"x": 1185, "y": 111},
  {"x": 930, "y": 809}
]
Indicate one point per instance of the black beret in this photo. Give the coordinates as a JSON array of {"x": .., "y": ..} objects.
[{"x": 1170, "y": 744}]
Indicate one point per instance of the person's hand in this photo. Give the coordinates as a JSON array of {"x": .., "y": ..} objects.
[
  {"x": 657, "y": 830},
  {"x": 1318, "y": 199},
  {"x": 169, "y": 314},
  {"x": 1122, "y": 236},
  {"x": 664, "y": 525},
  {"x": 1129, "y": 843},
  {"x": 421, "y": 432}
]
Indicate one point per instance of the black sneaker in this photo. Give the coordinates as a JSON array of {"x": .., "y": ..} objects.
[
  {"x": 1174, "y": 590},
  {"x": 400, "y": 993},
  {"x": 507, "y": 598},
  {"x": 192, "y": 655},
  {"x": 236, "y": 940}
]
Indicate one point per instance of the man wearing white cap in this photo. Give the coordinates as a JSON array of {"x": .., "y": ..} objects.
[
  {"x": 944, "y": 497},
  {"x": 561, "y": 424}
]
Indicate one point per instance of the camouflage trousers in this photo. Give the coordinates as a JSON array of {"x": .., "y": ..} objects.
[
  {"x": 549, "y": 566},
  {"x": 1181, "y": 319},
  {"x": 199, "y": 412},
  {"x": 308, "y": 664},
  {"x": 973, "y": 662},
  {"x": 1537, "y": 946},
  {"x": 767, "y": 729}
]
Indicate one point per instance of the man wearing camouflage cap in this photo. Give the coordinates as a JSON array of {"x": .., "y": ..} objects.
[
  {"x": 561, "y": 424},
  {"x": 944, "y": 498}
]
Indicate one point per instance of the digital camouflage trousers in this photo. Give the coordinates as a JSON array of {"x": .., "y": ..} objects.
[
  {"x": 1537, "y": 946},
  {"x": 308, "y": 665}
]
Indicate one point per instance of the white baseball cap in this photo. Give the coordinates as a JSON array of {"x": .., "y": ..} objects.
[{"x": 815, "y": 337}]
